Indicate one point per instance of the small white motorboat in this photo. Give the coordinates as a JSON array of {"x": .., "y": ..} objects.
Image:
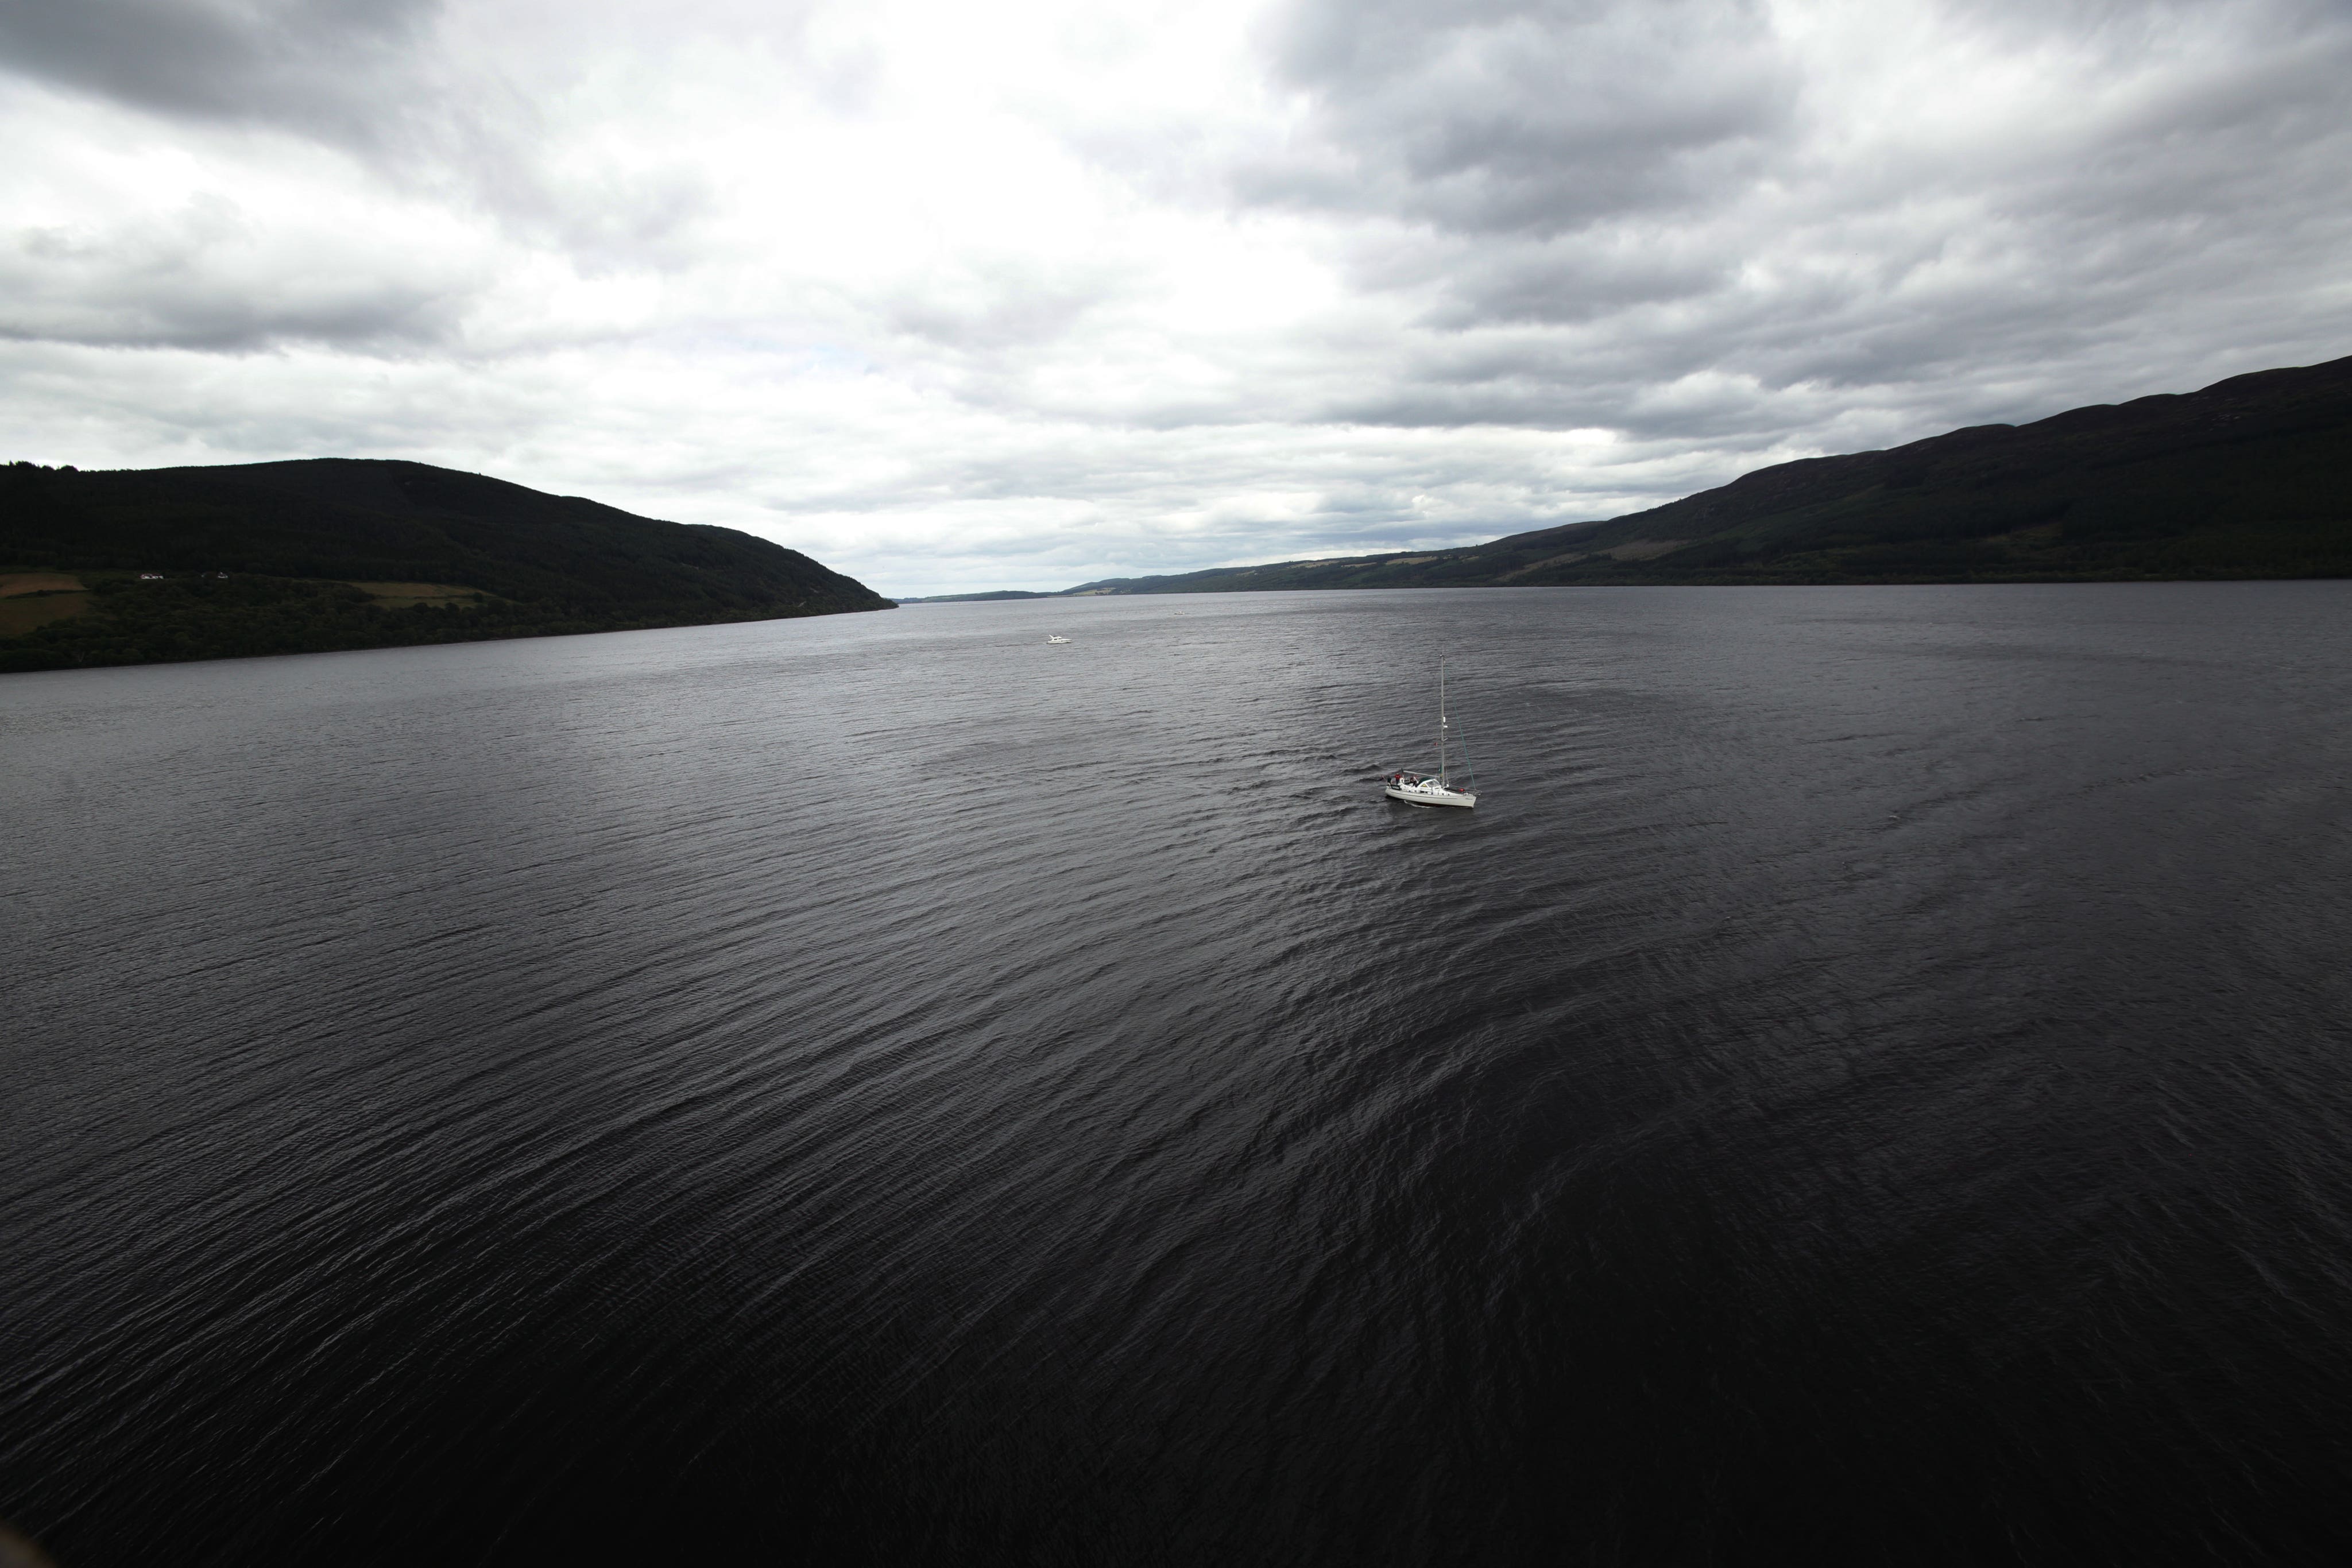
[
  {"x": 1427, "y": 788},
  {"x": 1051, "y": 638}
]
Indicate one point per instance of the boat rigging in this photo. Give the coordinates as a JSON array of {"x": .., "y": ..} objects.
[{"x": 1437, "y": 790}]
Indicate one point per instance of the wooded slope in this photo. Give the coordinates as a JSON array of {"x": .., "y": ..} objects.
[
  {"x": 294, "y": 540},
  {"x": 2250, "y": 477}
]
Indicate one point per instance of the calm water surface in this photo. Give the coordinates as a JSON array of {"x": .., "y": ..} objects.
[{"x": 1872, "y": 1078}]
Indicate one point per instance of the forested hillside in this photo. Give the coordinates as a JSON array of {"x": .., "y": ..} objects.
[
  {"x": 191, "y": 563},
  {"x": 2250, "y": 477}
]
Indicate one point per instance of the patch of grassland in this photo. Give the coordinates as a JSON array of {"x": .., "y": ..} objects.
[
  {"x": 13, "y": 583},
  {"x": 21, "y": 613}
]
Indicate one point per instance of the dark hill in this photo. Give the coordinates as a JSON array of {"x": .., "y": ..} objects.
[
  {"x": 295, "y": 539},
  {"x": 978, "y": 598},
  {"x": 2250, "y": 477}
]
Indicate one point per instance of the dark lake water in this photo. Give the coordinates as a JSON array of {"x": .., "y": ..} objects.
[{"x": 1872, "y": 1080}]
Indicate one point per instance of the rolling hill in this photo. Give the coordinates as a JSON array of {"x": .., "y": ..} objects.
[
  {"x": 332, "y": 553},
  {"x": 2250, "y": 477}
]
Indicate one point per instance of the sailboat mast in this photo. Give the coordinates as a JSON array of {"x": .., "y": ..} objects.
[{"x": 1440, "y": 721}]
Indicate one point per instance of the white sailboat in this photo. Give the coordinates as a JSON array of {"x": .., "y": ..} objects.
[{"x": 1427, "y": 789}]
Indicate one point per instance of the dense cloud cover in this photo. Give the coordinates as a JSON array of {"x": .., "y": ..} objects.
[{"x": 959, "y": 296}]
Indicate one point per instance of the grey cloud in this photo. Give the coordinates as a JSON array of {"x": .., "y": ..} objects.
[
  {"x": 986, "y": 306},
  {"x": 1780, "y": 272},
  {"x": 370, "y": 78},
  {"x": 332, "y": 68},
  {"x": 612, "y": 221},
  {"x": 2117, "y": 27},
  {"x": 196, "y": 279},
  {"x": 1731, "y": 416},
  {"x": 1512, "y": 278},
  {"x": 1536, "y": 116}
]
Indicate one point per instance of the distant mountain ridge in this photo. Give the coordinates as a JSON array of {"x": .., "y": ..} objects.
[
  {"x": 977, "y": 598},
  {"x": 2250, "y": 477},
  {"x": 329, "y": 553}
]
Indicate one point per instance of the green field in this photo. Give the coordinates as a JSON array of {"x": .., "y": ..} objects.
[{"x": 29, "y": 599}]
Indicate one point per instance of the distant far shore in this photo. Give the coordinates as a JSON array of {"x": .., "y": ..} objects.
[{"x": 2249, "y": 478}]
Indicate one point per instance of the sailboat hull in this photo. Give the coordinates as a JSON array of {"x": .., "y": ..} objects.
[{"x": 1425, "y": 795}]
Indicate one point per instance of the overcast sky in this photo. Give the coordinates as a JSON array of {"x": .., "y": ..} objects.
[{"x": 958, "y": 295}]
